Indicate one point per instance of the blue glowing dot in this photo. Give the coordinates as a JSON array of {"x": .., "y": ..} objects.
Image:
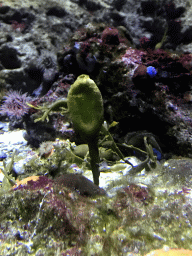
[
  {"x": 151, "y": 71},
  {"x": 157, "y": 153},
  {"x": 76, "y": 46}
]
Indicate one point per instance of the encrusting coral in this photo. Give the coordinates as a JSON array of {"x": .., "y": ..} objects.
[{"x": 15, "y": 104}]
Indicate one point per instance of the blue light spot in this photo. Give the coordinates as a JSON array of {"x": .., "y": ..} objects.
[
  {"x": 157, "y": 153},
  {"x": 151, "y": 71}
]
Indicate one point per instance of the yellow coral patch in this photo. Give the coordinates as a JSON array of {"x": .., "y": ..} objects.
[{"x": 24, "y": 181}]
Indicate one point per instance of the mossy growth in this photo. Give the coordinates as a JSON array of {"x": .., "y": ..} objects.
[
  {"x": 85, "y": 106},
  {"x": 160, "y": 44},
  {"x": 8, "y": 180}
]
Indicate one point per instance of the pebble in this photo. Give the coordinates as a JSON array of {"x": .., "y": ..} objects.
[
  {"x": 3, "y": 155},
  {"x": 4, "y": 127}
]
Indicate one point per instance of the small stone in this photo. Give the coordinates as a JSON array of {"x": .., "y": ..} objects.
[{"x": 2, "y": 156}]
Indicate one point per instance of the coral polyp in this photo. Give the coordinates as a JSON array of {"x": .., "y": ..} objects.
[{"x": 15, "y": 104}]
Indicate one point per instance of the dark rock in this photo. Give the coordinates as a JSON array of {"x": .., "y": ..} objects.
[
  {"x": 81, "y": 184},
  {"x": 36, "y": 133},
  {"x": 110, "y": 36},
  {"x": 56, "y": 11},
  {"x": 10, "y": 57}
]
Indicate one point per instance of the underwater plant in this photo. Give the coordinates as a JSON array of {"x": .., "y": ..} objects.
[
  {"x": 8, "y": 180},
  {"x": 85, "y": 105},
  {"x": 160, "y": 44}
]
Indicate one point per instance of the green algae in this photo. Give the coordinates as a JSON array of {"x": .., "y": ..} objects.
[
  {"x": 59, "y": 105},
  {"x": 58, "y": 162},
  {"x": 85, "y": 106},
  {"x": 160, "y": 44},
  {"x": 137, "y": 217},
  {"x": 8, "y": 180}
]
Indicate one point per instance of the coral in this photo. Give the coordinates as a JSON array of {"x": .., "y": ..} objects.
[
  {"x": 170, "y": 70},
  {"x": 15, "y": 105},
  {"x": 56, "y": 210},
  {"x": 47, "y": 60},
  {"x": 145, "y": 42},
  {"x": 46, "y": 149},
  {"x": 137, "y": 193},
  {"x": 41, "y": 214},
  {"x": 25, "y": 181},
  {"x": 33, "y": 183},
  {"x": 42, "y": 71},
  {"x": 186, "y": 60},
  {"x": 133, "y": 57},
  {"x": 156, "y": 57},
  {"x": 152, "y": 219}
]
